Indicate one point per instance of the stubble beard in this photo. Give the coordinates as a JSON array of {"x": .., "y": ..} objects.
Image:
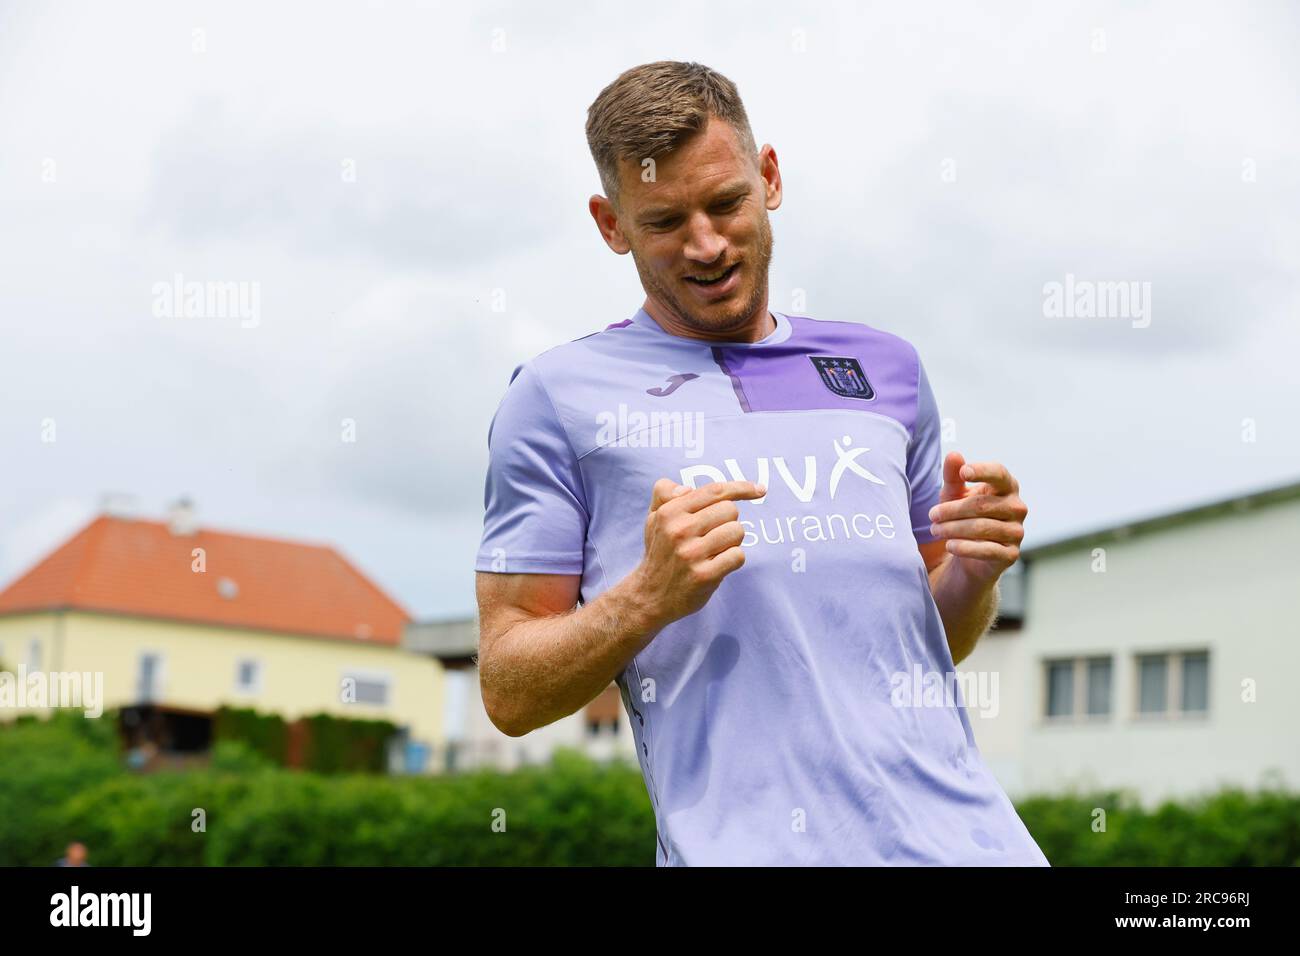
[{"x": 732, "y": 320}]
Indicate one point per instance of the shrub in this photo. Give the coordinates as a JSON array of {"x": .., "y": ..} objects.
[
  {"x": 64, "y": 779},
  {"x": 266, "y": 734}
]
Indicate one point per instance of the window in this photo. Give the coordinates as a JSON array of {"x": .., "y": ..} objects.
[
  {"x": 248, "y": 676},
  {"x": 1196, "y": 682},
  {"x": 1098, "y": 686},
  {"x": 459, "y": 687},
  {"x": 1011, "y": 600},
  {"x": 1060, "y": 689},
  {"x": 372, "y": 692},
  {"x": 34, "y": 656},
  {"x": 1153, "y": 684},
  {"x": 1078, "y": 687},
  {"x": 149, "y": 678},
  {"x": 367, "y": 688},
  {"x": 602, "y": 713},
  {"x": 597, "y": 727},
  {"x": 1173, "y": 684}
]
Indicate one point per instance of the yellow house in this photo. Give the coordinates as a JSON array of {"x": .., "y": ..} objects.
[{"x": 173, "y": 621}]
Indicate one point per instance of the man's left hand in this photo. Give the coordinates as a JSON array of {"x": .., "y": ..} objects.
[{"x": 982, "y": 525}]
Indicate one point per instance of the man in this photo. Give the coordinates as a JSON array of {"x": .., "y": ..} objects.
[
  {"x": 804, "y": 550},
  {"x": 74, "y": 855}
]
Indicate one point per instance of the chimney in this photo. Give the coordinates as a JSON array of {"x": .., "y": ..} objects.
[
  {"x": 180, "y": 518},
  {"x": 118, "y": 504}
]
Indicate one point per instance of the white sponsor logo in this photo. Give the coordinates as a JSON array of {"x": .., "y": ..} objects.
[
  {"x": 802, "y": 528},
  {"x": 846, "y": 459}
]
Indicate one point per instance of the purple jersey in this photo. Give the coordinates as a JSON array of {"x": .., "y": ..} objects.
[{"x": 776, "y": 725}]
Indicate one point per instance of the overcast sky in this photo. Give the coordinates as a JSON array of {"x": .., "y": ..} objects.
[{"x": 386, "y": 174}]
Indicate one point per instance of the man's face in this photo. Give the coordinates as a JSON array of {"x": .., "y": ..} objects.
[{"x": 704, "y": 214}]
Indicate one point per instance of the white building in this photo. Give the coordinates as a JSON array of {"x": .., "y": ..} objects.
[
  {"x": 599, "y": 730},
  {"x": 1159, "y": 656}
]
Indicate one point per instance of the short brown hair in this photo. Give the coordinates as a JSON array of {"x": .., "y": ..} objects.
[{"x": 654, "y": 108}]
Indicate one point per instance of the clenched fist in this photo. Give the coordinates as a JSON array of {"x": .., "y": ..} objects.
[{"x": 692, "y": 542}]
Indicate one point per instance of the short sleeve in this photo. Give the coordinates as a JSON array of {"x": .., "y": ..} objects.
[
  {"x": 535, "y": 519},
  {"x": 924, "y": 458}
]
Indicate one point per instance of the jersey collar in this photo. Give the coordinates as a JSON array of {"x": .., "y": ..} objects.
[{"x": 778, "y": 335}]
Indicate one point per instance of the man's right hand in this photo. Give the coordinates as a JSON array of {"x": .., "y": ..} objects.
[
  {"x": 540, "y": 660},
  {"x": 692, "y": 541}
]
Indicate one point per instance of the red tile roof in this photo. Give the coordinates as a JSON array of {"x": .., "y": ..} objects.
[{"x": 124, "y": 566}]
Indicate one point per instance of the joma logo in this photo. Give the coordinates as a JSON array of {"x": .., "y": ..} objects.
[{"x": 846, "y": 459}]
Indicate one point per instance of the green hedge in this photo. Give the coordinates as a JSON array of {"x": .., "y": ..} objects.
[
  {"x": 341, "y": 745},
  {"x": 63, "y": 780},
  {"x": 1228, "y": 828},
  {"x": 333, "y": 744},
  {"x": 42, "y": 765},
  {"x": 266, "y": 734}
]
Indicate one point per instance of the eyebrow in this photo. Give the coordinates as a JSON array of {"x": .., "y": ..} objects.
[{"x": 728, "y": 192}]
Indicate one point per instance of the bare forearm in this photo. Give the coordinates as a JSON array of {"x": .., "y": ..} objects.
[
  {"x": 966, "y": 605},
  {"x": 541, "y": 660},
  {"x": 543, "y": 669}
]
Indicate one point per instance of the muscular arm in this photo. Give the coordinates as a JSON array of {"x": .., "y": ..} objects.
[{"x": 540, "y": 658}]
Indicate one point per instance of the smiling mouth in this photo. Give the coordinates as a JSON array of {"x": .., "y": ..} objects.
[{"x": 716, "y": 278}]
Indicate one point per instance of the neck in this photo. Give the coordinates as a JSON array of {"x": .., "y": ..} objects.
[{"x": 758, "y": 327}]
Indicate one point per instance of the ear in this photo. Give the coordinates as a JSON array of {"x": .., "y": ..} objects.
[
  {"x": 771, "y": 173},
  {"x": 606, "y": 218}
]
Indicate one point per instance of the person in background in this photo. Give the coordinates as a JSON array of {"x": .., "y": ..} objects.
[{"x": 74, "y": 855}]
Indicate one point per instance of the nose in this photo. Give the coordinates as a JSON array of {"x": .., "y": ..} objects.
[{"x": 703, "y": 242}]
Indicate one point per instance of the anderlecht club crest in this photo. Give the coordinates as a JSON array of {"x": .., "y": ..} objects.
[{"x": 843, "y": 376}]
